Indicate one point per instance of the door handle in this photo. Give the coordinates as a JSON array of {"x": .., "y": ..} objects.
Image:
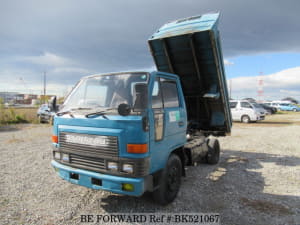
[{"x": 180, "y": 123}]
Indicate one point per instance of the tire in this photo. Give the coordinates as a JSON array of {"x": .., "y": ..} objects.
[
  {"x": 245, "y": 119},
  {"x": 295, "y": 110},
  {"x": 169, "y": 182},
  {"x": 213, "y": 154}
]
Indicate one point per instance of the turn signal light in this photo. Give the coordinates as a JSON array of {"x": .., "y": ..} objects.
[
  {"x": 137, "y": 148},
  {"x": 54, "y": 139}
]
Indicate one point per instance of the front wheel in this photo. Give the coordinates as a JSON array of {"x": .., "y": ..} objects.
[
  {"x": 245, "y": 119},
  {"x": 295, "y": 110},
  {"x": 169, "y": 182}
]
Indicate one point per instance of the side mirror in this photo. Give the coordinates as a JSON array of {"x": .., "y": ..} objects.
[
  {"x": 141, "y": 97},
  {"x": 124, "y": 109},
  {"x": 52, "y": 104}
]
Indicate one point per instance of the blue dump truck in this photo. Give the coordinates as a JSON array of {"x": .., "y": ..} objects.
[{"x": 135, "y": 132}]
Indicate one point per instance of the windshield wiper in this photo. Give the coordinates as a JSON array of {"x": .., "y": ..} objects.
[
  {"x": 64, "y": 113},
  {"x": 98, "y": 113},
  {"x": 70, "y": 111}
]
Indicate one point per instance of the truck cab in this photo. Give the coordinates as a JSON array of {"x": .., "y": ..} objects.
[
  {"x": 133, "y": 132},
  {"x": 98, "y": 145}
]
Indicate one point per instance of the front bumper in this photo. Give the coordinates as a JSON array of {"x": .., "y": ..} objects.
[
  {"x": 107, "y": 182},
  {"x": 260, "y": 117},
  {"x": 45, "y": 117}
]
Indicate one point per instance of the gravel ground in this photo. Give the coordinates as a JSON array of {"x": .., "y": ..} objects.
[{"x": 256, "y": 182}]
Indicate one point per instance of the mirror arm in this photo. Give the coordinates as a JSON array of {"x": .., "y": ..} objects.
[{"x": 53, "y": 105}]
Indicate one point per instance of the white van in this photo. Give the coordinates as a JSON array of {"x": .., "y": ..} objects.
[{"x": 245, "y": 111}]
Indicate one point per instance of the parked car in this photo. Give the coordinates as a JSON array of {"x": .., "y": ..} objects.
[
  {"x": 258, "y": 106},
  {"x": 272, "y": 104},
  {"x": 246, "y": 111},
  {"x": 44, "y": 114},
  {"x": 269, "y": 109},
  {"x": 288, "y": 107}
]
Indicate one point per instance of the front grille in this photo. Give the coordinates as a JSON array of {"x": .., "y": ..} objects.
[
  {"x": 85, "y": 162},
  {"x": 95, "y": 158},
  {"x": 109, "y": 150}
]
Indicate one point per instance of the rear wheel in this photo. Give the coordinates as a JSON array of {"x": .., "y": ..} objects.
[
  {"x": 245, "y": 119},
  {"x": 213, "y": 154},
  {"x": 170, "y": 181},
  {"x": 295, "y": 110}
]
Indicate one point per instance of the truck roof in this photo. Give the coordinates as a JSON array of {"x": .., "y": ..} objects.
[{"x": 191, "y": 48}]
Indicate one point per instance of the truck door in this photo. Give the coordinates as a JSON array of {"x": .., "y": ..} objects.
[
  {"x": 174, "y": 110},
  {"x": 169, "y": 125}
]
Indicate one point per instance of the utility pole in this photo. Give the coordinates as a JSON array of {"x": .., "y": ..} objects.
[
  {"x": 44, "y": 87},
  {"x": 260, "y": 88}
]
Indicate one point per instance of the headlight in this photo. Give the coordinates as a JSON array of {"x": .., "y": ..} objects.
[
  {"x": 112, "y": 166},
  {"x": 128, "y": 168},
  {"x": 65, "y": 157},
  {"x": 57, "y": 155}
]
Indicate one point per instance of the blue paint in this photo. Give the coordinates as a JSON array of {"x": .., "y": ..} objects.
[
  {"x": 128, "y": 131},
  {"x": 202, "y": 23},
  {"x": 109, "y": 182},
  {"x": 174, "y": 136},
  {"x": 191, "y": 48}
]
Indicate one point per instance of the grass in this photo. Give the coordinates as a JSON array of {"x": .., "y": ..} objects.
[
  {"x": 17, "y": 115},
  {"x": 286, "y": 112},
  {"x": 281, "y": 112}
]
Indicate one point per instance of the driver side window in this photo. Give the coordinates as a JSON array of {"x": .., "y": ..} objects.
[{"x": 157, "y": 102}]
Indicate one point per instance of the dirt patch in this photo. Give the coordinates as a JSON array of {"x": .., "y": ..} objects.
[
  {"x": 266, "y": 206},
  {"x": 256, "y": 181}
]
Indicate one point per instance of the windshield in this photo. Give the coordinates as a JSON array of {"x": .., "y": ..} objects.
[
  {"x": 256, "y": 105},
  {"x": 105, "y": 91}
]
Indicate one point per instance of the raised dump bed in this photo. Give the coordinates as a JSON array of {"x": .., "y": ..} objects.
[{"x": 191, "y": 48}]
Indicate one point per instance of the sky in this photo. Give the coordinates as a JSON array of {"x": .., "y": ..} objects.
[{"x": 68, "y": 39}]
